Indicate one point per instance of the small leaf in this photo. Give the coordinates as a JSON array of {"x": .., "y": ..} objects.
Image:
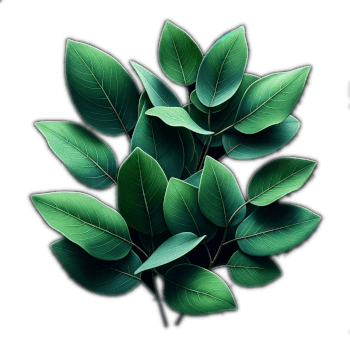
[
  {"x": 158, "y": 92},
  {"x": 195, "y": 179},
  {"x": 248, "y": 271},
  {"x": 103, "y": 277},
  {"x": 141, "y": 189},
  {"x": 165, "y": 268},
  {"x": 84, "y": 220},
  {"x": 278, "y": 178},
  {"x": 179, "y": 55},
  {"x": 199, "y": 105},
  {"x": 275, "y": 229},
  {"x": 172, "y": 249},
  {"x": 192, "y": 290},
  {"x": 175, "y": 116},
  {"x": 188, "y": 148},
  {"x": 87, "y": 157}
]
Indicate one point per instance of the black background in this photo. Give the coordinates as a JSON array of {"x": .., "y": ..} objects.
[{"x": 309, "y": 300}]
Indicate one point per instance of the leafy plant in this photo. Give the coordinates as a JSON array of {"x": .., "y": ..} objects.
[{"x": 181, "y": 212}]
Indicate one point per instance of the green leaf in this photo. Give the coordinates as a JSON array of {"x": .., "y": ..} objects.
[
  {"x": 199, "y": 105},
  {"x": 179, "y": 55},
  {"x": 219, "y": 194},
  {"x": 244, "y": 146},
  {"x": 87, "y": 157},
  {"x": 270, "y": 100},
  {"x": 249, "y": 271},
  {"x": 165, "y": 268},
  {"x": 195, "y": 179},
  {"x": 158, "y": 92},
  {"x": 192, "y": 290},
  {"x": 222, "y": 68},
  {"x": 188, "y": 147},
  {"x": 141, "y": 189},
  {"x": 278, "y": 178},
  {"x": 102, "y": 90},
  {"x": 153, "y": 242},
  {"x": 160, "y": 141},
  {"x": 175, "y": 116},
  {"x": 144, "y": 99},
  {"x": 84, "y": 220},
  {"x": 275, "y": 229},
  {"x": 182, "y": 212},
  {"x": 103, "y": 277},
  {"x": 172, "y": 249}
]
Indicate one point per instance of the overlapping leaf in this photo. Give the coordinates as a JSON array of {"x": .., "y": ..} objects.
[
  {"x": 189, "y": 152},
  {"x": 195, "y": 179}
]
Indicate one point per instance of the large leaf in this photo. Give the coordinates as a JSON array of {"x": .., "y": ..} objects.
[
  {"x": 192, "y": 290},
  {"x": 88, "y": 158},
  {"x": 222, "y": 68},
  {"x": 243, "y": 146},
  {"x": 179, "y": 55},
  {"x": 103, "y": 277},
  {"x": 188, "y": 148},
  {"x": 182, "y": 212},
  {"x": 160, "y": 141},
  {"x": 141, "y": 189},
  {"x": 278, "y": 178},
  {"x": 275, "y": 229},
  {"x": 159, "y": 93},
  {"x": 195, "y": 179},
  {"x": 251, "y": 271},
  {"x": 94, "y": 226},
  {"x": 270, "y": 100},
  {"x": 219, "y": 194},
  {"x": 103, "y": 92},
  {"x": 172, "y": 249},
  {"x": 175, "y": 116},
  {"x": 199, "y": 105}
]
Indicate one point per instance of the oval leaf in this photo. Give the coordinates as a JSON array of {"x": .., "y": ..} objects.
[
  {"x": 275, "y": 229},
  {"x": 94, "y": 226},
  {"x": 249, "y": 271},
  {"x": 192, "y": 290},
  {"x": 222, "y": 68},
  {"x": 171, "y": 249},
  {"x": 278, "y": 178},
  {"x": 179, "y": 55},
  {"x": 87, "y": 157},
  {"x": 270, "y": 100},
  {"x": 199, "y": 105},
  {"x": 141, "y": 189},
  {"x": 103, "y": 92},
  {"x": 103, "y": 277}
]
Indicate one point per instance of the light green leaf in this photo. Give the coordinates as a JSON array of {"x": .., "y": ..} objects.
[
  {"x": 199, "y": 105},
  {"x": 141, "y": 189},
  {"x": 249, "y": 271},
  {"x": 278, "y": 178},
  {"x": 160, "y": 141},
  {"x": 195, "y": 179},
  {"x": 270, "y": 100},
  {"x": 179, "y": 55},
  {"x": 275, "y": 229},
  {"x": 219, "y": 194},
  {"x": 188, "y": 147},
  {"x": 84, "y": 220},
  {"x": 172, "y": 249},
  {"x": 175, "y": 116},
  {"x": 87, "y": 157},
  {"x": 103, "y": 277},
  {"x": 158, "y": 92},
  {"x": 192, "y": 290},
  {"x": 182, "y": 212},
  {"x": 243, "y": 146},
  {"x": 102, "y": 90},
  {"x": 222, "y": 68}
]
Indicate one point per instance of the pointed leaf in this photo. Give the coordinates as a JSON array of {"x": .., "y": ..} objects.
[
  {"x": 172, "y": 249},
  {"x": 103, "y": 277},
  {"x": 275, "y": 229},
  {"x": 87, "y": 157},
  {"x": 84, "y": 220},
  {"x": 141, "y": 189},
  {"x": 102, "y": 90},
  {"x": 195, "y": 179}
]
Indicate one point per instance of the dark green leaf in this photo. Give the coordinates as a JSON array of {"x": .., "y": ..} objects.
[
  {"x": 195, "y": 179},
  {"x": 199, "y": 105},
  {"x": 165, "y": 268},
  {"x": 144, "y": 99},
  {"x": 153, "y": 242},
  {"x": 188, "y": 145}
]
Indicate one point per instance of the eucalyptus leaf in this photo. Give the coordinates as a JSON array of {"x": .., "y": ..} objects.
[
  {"x": 97, "y": 228},
  {"x": 141, "y": 189},
  {"x": 278, "y": 178},
  {"x": 103, "y": 92},
  {"x": 172, "y": 249},
  {"x": 193, "y": 290},
  {"x": 87, "y": 157},
  {"x": 195, "y": 179},
  {"x": 103, "y": 277},
  {"x": 275, "y": 229}
]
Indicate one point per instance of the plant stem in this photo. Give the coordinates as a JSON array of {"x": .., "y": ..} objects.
[
  {"x": 206, "y": 151},
  {"x": 206, "y": 246},
  {"x": 179, "y": 319},
  {"x": 219, "y": 249},
  {"x": 161, "y": 309}
]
